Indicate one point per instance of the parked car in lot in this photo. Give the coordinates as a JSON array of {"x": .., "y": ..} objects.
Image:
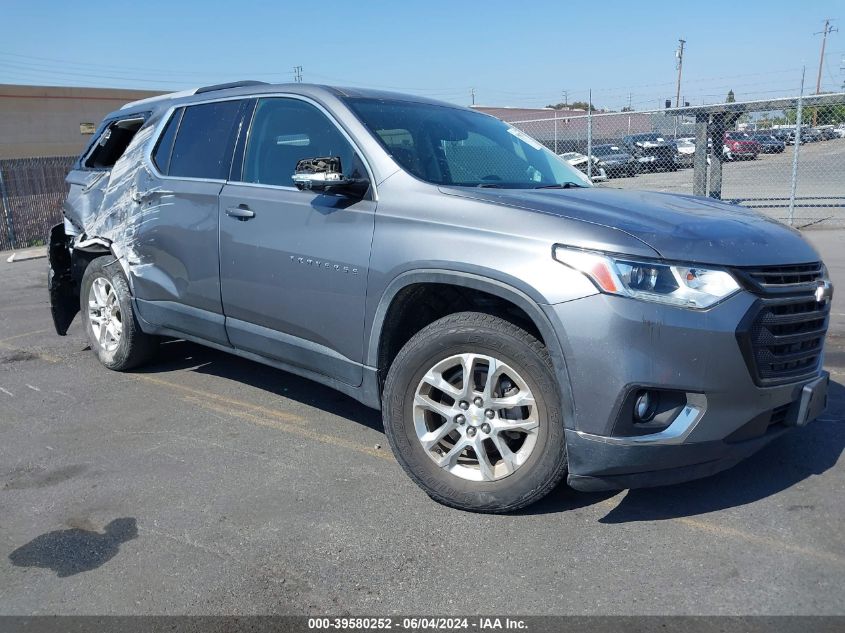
[
  {"x": 515, "y": 324},
  {"x": 652, "y": 151},
  {"x": 739, "y": 145},
  {"x": 768, "y": 143},
  {"x": 684, "y": 152},
  {"x": 615, "y": 160},
  {"x": 787, "y": 135},
  {"x": 811, "y": 135},
  {"x": 579, "y": 162},
  {"x": 827, "y": 132}
]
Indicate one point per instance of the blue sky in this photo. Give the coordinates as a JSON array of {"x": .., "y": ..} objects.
[{"x": 512, "y": 53}]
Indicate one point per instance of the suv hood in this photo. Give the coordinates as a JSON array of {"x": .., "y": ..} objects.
[{"x": 678, "y": 227}]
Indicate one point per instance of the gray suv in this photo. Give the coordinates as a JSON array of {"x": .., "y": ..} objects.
[{"x": 514, "y": 324}]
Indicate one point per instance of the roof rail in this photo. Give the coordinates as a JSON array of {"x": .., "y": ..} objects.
[{"x": 233, "y": 84}]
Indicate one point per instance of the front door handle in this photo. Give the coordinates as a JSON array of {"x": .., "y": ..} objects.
[{"x": 240, "y": 212}]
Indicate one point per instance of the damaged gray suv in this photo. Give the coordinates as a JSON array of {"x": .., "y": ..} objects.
[{"x": 514, "y": 324}]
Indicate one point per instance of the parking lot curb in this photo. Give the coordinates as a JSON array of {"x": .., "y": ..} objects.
[{"x": 10, "y": 257}]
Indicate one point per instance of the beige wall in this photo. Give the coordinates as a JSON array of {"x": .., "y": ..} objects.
[{"x": 44, "y": 120}]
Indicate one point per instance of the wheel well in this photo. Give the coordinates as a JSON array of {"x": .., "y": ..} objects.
[
  {"x": 80, "y": 260},
  {"x": 418, "y": 305}
]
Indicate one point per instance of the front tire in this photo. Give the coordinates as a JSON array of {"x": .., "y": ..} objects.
[
  {"x": 108, "y": 318},
  {"x": 472, "y": 411}
]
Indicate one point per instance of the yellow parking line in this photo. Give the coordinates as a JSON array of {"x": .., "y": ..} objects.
[
  {"x": 722, "y": 530},
  {"x": 24, "y": 335},
  {"x": 237, "y": 404},
  {"x": 42, "y": 355},
  {"x": 262, "y": 416},
  {"x": 725, "y": 531},
  {"x": 290, "y": 428}
]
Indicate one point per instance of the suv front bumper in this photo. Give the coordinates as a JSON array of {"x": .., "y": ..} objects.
[{"x": 613, "y": 345}]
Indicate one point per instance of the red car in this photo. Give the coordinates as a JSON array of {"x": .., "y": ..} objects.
[{"x": 739, "y": 145}]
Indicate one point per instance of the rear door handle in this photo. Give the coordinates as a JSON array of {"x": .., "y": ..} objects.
[
  {"x": 139, "y": 197},
  {"x": 240, "y": 212}
]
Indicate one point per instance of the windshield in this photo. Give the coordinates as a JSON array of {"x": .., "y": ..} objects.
[{"x": 452, "y": 146}]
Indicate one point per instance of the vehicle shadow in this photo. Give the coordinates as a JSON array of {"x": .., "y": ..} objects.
[
  {"x": 785, "y": 462},
  {"x": 176, "y": 355}
]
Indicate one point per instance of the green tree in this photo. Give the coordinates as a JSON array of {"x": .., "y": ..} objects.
[
  {"x": 575, "y": 105},
  {"x": 730, "y": 98},
  {"x": 831, "y": 115}
]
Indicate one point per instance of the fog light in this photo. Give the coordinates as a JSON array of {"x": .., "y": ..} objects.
[{"x": 645, "y": 406}]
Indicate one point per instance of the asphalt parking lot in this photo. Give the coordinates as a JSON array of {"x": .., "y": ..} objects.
[
  {"x": 821, "y": 172},
  {"x": 207, "y": 484}
]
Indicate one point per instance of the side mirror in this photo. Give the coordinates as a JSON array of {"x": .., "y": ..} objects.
[{"x": 326, "y": 174}]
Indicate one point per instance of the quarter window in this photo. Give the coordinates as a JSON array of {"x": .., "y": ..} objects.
[
  {"x": 205, "y": 141},
  {"x": 284, "y": 131},
  {"x": 113, "y": 141},
  {"x": 164, "y": 147}
]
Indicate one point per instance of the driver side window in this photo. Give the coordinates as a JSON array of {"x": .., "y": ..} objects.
[{"x": 285, "y": 131}]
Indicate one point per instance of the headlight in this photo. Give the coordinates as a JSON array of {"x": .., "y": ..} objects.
[{"x": 682, "y": 285}]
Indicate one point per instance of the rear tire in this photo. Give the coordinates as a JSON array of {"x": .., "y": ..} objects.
[
  {"x": 499, "y": 458},
  {"x": 109, "y": 319}
]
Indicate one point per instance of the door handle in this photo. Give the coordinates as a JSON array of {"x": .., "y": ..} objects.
[
  {"x": 138, "y": 197},
  {"x": 240, "y": 212}
]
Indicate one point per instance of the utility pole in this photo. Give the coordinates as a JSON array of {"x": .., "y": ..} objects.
[
  {"x": 472, "y": 95},
  {"x": 565, "y": 94},
  {"x": 824, "y": 32},
  {"x": 842, "y": 70},
  {"x": 680, "y": 55},
  {"x": 297, "y": 74},
  {"x": 629, "y": 113}
]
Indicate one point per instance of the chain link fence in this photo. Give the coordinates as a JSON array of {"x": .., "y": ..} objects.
[
  {"x": 32, "y": 191},
  {"x": 784, "y": 157}
]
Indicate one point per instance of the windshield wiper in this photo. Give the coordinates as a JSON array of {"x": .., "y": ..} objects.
[
  {"x": 488, "y": 185},
  {"x": 566, "y": 185}
]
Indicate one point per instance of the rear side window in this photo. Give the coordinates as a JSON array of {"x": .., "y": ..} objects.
[
  {"x": 164, "y": 147},
  {"x": 205, "y": 141},
  {"x": 113, "y": 141}
]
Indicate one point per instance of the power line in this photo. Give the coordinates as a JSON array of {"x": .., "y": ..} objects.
[{"x": 25, "y": 60}]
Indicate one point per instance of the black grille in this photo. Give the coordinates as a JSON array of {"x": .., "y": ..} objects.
[
  {"x": 782, "y": 279},
  {"x": 782, "y": 338}
]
